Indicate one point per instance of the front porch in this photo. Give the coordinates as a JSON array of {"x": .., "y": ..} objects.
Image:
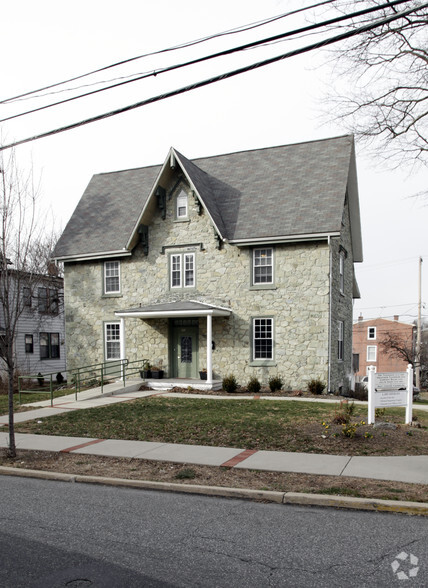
[
  {"x": 182, "y": 339},
  {"x": 169, "y": 383}
]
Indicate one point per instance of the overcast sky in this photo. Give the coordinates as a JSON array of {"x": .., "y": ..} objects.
[{"x": 45, "y": 42}]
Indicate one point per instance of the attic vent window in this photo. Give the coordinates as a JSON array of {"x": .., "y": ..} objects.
[{"x": 182, "y": 205}]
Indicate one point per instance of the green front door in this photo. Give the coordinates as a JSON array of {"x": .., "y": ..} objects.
[{"x": 185, "y": 348}]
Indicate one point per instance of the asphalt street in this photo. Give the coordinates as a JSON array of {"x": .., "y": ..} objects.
[{"x": 57, "y": 534}]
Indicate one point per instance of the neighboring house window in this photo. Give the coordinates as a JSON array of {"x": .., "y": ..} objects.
[
  {"x": 49, "y": 345},
  {"x": 263, "y": 266},
  {"x": 112, "y": 340},
  {"x": 371, "y": 333},
  {"x": 371, "y": 352},
  {"x": 26, "y": 294},
  {"x": 263, "y": 338},
  {"x": 342, "y": 272},
  {"x": 42, "y": 299},
  {"x": 340, "y": 325},
  {"x": 48, "y": 300},
  {"x": 181, "y": 205},
  {"x": 29, "y": 344},
  {"x": 182, "y": 270},
  {"x": 111, "y": 277}
]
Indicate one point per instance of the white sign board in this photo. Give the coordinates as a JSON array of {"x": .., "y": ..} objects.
[
  {"x": 390, "y": 389},
  {"x": 384, "y": 398},
  {"x": 390, "y": 381}
]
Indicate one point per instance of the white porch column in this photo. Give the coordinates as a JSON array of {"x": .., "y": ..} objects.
[
  {"x": 122, "y": 343},
  {"x": 209, "y": 349}
]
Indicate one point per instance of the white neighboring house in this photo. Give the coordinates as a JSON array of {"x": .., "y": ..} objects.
[{"x": 40, "y": 337}]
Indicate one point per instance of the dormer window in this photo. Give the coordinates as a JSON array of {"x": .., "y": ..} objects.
[{"x": 182, "y": 205}]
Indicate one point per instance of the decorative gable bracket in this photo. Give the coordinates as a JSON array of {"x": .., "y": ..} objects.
[
  {"x": 143, "y": 231},
  {"x": 161, "y": 197},
  {"x": 218, "y": 239},
  {"x": 198, "y": 203}
]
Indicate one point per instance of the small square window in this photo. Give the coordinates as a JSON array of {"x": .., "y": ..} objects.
[{"x": 371, "y": 333}]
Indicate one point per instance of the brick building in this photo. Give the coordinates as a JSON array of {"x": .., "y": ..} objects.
[{"x": 367, "y": 338}]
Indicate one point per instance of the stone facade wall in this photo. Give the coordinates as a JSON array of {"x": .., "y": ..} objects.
[
  {"x": 341, "y": 369},
  {"x": 298, "y": 301}
]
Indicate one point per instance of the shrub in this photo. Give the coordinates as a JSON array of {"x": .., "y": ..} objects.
[
  {"x": 254, "y": 385},
  {"x": 230, "y": 384},
  {"x": 316, "y": 387},
  {"x": 343, "y": 415},
  {"x": 186, "y": 474},
  {"x": 275, "y": 383}
]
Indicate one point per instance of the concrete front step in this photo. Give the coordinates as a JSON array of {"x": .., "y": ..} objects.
[{"x": 169, "y": 383}]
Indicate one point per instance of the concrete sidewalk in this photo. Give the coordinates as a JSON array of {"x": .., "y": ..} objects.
[{"x": 413, "y": 469}]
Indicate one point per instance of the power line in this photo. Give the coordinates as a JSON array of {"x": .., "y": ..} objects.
[
  {"x": 218, "y": 78},
  {"x": 223, "y": 53},
  {"x": 242, "y": 28}
]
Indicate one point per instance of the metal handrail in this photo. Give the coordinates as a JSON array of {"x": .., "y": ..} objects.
[{"x": 120, "y": 368}]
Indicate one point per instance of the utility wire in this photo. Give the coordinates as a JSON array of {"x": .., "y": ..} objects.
[
  {"x": 218, "y": 78},
  {"x": 185, "y": 45},
  {"x": 223, "y": 53}
]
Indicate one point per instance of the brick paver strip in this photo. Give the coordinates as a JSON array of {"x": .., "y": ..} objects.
[
  {"x": 69, "y": 449},
  {"x": 238, "y": 458}
]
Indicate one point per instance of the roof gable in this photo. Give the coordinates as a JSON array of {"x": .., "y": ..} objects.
[{"x": 292, "y": 191}]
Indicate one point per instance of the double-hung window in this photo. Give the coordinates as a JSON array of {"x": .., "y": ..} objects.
[
  {"x": 112, "y": 341},
  {"x": 262, "y": 266},
  {"x": 181, "y": 210},
  {"x": 262, "y": 338},
  {"x": 371, "y": 352},
  {"x": 182, "y": 270},
  {"x": 340, "y": 336},
  {"x": 49, "y": 345},
  {"x": 29, "y": 344},
  {"x": 111, "y": 277}
]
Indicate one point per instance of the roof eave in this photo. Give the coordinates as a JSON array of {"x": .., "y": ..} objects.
[
  {"x": 284, "y": 239},
  {"x": 93, "y": 256}
]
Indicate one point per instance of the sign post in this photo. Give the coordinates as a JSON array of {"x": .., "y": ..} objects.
[{"x": 390, "y": 389}]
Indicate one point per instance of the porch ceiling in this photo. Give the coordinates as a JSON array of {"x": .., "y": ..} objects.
[{"x": 180, "y": 308}]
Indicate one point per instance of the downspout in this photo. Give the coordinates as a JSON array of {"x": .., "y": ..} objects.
[{"x": 329, "y": 311}]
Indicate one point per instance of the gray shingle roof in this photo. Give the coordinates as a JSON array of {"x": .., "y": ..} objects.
[{"x": 273, "y": 192}]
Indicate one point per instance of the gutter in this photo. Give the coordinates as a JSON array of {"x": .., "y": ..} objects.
[
  {"x": 285, "y": 239},
  {"x": 90, "y": 256}
]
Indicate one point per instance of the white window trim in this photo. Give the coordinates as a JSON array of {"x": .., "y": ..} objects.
[
  {"x": 183, "y": 257},
  {"x": 254, "y": 282},
  {"x": 272, "y": 322},
  {"x": 375, "y": 352},
  {"x": 368, "y": 334},
  {"x": 107, "y": 340},
  {"x": 105, "y": 277},
  {"x": 182, "y": 202}
]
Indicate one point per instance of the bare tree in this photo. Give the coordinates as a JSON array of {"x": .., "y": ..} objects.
[
  {"x": 384, "y": 73},
  {"x": 23, "y": 261},
  {"x": 396, "y": 346}
]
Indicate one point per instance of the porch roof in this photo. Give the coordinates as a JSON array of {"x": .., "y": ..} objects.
[{"x": 179, "y": 308}]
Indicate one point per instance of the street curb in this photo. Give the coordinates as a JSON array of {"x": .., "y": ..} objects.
[{"x": 297, "y": 498}]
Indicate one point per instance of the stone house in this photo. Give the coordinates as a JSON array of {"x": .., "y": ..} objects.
[
  {"x": 367, "y": 344},
  {"x": 238, "y": 264}
]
